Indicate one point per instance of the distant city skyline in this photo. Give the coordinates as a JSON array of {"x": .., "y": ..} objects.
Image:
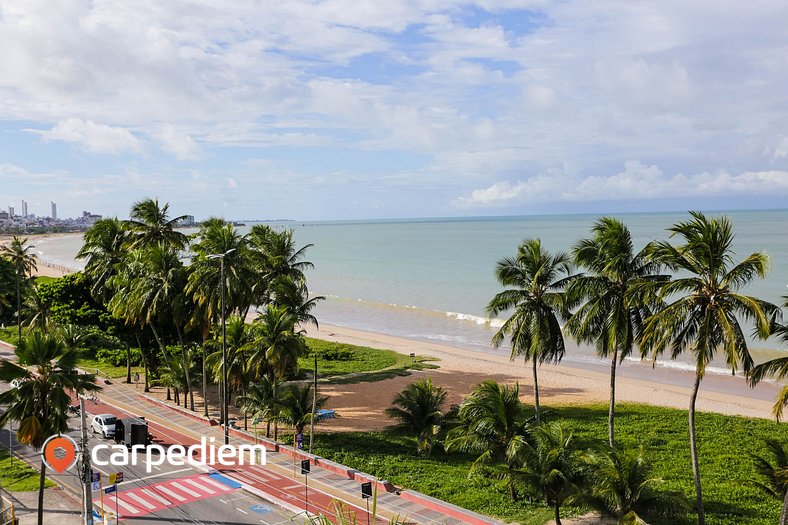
[{"x": 399, "y": 109}]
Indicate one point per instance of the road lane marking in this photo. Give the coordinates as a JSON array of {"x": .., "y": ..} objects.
[
  {"x": 239, "y": 510},
  {"x": 193, "y": 483},
  {"x": 126, "y": 506},
  {"x": 137, "y": 480},
  {"x": 156, "y": 497},
  {"x": 171, "y": 493},
  {"x": 188, "y": 491},
  {"x": 145, "y": 503}
]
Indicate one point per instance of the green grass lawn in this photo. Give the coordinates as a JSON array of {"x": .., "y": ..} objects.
[
  {"x": 89, "y": 364},
  {"x": 338, "y": 359},
  {"x": 725, "y": 445},
  {"x": 16, "y": 476},
  {"x": 8, "y": 334}
]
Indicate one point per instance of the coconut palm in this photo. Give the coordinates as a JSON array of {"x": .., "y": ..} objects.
[
  {"x": 18, "y": 253},
  {"x": 275, "y": 348},
  {"x": 489, "y": 419},
  {"x": 104, "y": 249},
  {"x": 295, "y": 406},
  {"x": 150, "y": 225},
  {"x": 294, "y": 296},
  {"x": 703, "y": 317},
  {"x": 548, "y": 465},
  {"x": 46, "y": 370},
  {"x": 771, "y": 474},
  {"x": 534, "y": 281},
  {"x": 217, "y": 237},
  {"x": 7, "y": 283},
  {"x": 274, "y": 254},
  {"x": 239, "y": 336},
  {"x": 260, "y": 401},
  {"x": 615, "y": 300},
  {"x": 621, "y": 483},
  {"x": 181, "y": 375},
  {"x": 35, "y": 309},
  {"x": 776, "y": 368},
  {"x": 418, "y": 408}
]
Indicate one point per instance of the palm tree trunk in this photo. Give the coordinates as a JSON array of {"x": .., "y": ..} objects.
[
  {"x": 41, "y": 482},
  {"x": 694, "y": 450},
  {"x": 186, "y": 366},
  {"x": 18, "y": 308},
  {"x": 536, "y": 393},
  {"x": 128, "y": 363},
  {"x": 557, "y": 514},
  {"x": 784, "y": 513},
  {"x": 204, "y": 380},
  {"x": 164, "y": 353},
  {"x": 612, "y": 410},
  {"x": 144, "y": 362}
]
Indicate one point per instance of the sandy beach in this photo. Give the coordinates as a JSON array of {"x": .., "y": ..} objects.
[{"x": 361, "y": 405}]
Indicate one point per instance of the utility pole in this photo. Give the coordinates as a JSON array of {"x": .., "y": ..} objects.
[
  {"x": 86, "y": 478},
  {"x": 226, "y": 400},
  {"x": 314, "y": 409}
]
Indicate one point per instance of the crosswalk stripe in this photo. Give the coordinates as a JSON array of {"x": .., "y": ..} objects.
[
  {"x": 170, "y": 493},
  {"x": 180, "y": 487},
  {"x": 193, "y": 483},
  {"x": 255, "y": 477},
  {"x": 241, "y": 478},
  {"x": 218, "y": 485},
  {"x": 138, "y": 499},
  {"x": 126, "y": 506},
  {"x": 156, "y": 497}
]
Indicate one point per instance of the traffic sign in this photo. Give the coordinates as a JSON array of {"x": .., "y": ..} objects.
[
  {"x": 366, "y": 490},
  {"x": 299, "y": 438},
  {"x": 95, "y": 476},
  {"x": 112, "y": 478},
  {"x": 95, "y": 485},
  {"x": 305, "y": 466},
  {"x": 110, "y": 489},
  {"x": 119, "y": 477}
]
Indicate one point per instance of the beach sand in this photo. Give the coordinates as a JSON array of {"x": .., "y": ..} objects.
[{"x": 360, "y": 406}]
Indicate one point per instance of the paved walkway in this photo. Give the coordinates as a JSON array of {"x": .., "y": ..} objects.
[{"x": 276, "y": 480}]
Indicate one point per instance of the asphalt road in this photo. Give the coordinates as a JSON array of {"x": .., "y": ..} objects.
[{"x": 165, "y": 494}]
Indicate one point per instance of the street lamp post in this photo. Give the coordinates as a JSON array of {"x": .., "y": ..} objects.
[{"x": 225, "y": 396}]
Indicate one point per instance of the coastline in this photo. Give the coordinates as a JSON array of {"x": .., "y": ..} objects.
[{"x": 568, "y": 382}]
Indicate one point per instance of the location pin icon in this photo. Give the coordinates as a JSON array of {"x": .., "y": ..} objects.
[{"x": 59, "y": 453}]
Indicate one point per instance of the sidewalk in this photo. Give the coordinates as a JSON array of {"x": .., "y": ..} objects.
[{"x": 275, "y": 481}]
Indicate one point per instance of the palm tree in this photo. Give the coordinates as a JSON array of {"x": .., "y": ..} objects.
[
  {"x": 239, "y": 337},
  {"x": 294, "y": 296},
  {"x": 274, "y": 255},
  {"x": 418, "y": 408},
  {"x": 261, "y": 402},
  {"x": 276, "y": 347},
  {"x": 777, "y": 368},
  {"x": 150, "y": 225},
  {"x": 703, "y": 317},
  {"x": 295, "y": 406},
  {"x": 616, "y": 302},
  {"x": 46, "y": 369},
  {"x": 35, "y": 309},
  {"x": 535, "y": 281},
  {"x": 772, "y": 474},
  {"x": 18, "y": 253},
  {"x": 621, "y": 483},
  {"x": 548, "y": 465},
  {"x": 104, "y": 249},
  {"x": 489, "y": 419}
]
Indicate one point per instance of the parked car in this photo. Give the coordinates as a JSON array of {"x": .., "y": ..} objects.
[{"x": 104, "y": 424}]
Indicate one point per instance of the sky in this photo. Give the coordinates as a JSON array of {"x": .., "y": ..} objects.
[{"x": 349, "y": 109}]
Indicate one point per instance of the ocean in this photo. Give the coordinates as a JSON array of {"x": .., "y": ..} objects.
[{"x": 430, "y": 279}]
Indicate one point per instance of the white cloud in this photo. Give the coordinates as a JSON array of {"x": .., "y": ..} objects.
[
  {"x": 637, "y": 182},
  {"x": 179, "y": 144},
  {"x": 98, "y": 138}
]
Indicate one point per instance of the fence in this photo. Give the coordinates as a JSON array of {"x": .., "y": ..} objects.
[{"x": 7, "y": 512}]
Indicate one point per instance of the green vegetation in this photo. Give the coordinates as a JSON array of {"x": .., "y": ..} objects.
[
  {"x": 17, "y": 476},
  {"x": 371, "y": 364},
  {"x": 90, "y": 364},
  {"x": 730, "y": 497}
]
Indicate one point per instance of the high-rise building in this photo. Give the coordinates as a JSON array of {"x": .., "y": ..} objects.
[
  {"x": 11, "y": 211},
  {"x": 24, "y": 209},
  {"x": 54, "y": 210}
]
